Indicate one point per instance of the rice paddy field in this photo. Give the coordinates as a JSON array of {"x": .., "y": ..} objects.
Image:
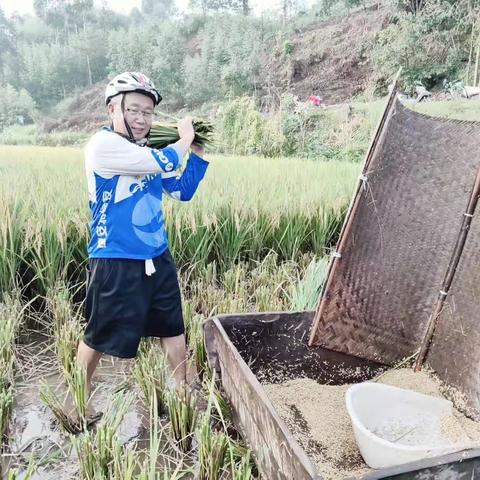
[{"x": 255, "y": 238}]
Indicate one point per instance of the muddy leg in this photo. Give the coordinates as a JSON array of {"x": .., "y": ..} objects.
[{"x": 88, "y": 358}]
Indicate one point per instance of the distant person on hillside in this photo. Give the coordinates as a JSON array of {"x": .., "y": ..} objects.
[
  {"x": 315, "y": 100},
  {"x": 132, "y": 287}
]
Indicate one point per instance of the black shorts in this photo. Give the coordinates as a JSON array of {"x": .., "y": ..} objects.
[{"x": 124, "y": 304}]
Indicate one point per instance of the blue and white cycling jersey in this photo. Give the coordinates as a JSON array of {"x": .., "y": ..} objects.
[{"x": 125, "y": 186}]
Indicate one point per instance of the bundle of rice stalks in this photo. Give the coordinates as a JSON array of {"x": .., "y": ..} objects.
[
  {"x": 183, "y": 413},
  {"x": 99, "y": 454},
  {"x": 72, "y": 421},
  {"x": 212, "y": 448},
  {"x": 151, "y": 373},
  {"x": 164, "y": 134}
]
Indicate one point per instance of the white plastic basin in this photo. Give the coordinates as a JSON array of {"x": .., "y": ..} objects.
[{"x": 394, "y": 426}]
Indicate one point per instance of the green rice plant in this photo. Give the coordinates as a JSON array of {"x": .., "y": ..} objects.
[
  {"x": 151, "y": 373},
  {"x": 243, "y": 469},
  {"x": 235, "y": 216},
  {"x": 11, "y": 316},
  {"x": 66, "y": 327},
  {"x": 84, "y": 446},
  {"x": 59, "y": 305},
  {"x": 218, "y": 407},
  {"x": 183, "y": 412},
  {"x": 51, "y": 400},
  {"x": 196, "y": 344},
  {"x": 306, "y": 292},
  {"x": 118, "y": 407},
  {"x": 11, "y": 247},
  {"x": 237, "y": 459},
  {"x": 71, "y": 421},
  {"x": 76, "y": 378},
  {"x": 124, "y": 463},
  {"x": 98, "y": 451},
  {"x": 6, "y": 407},
  {"x": 150, "y": 469},
  {"x": 66, "y": 343},
  {"x": 14, "y": 474},
  {"x": 212, "y": 448}
]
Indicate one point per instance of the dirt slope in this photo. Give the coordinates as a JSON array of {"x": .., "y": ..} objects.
[{"x": 329, "y": 58}]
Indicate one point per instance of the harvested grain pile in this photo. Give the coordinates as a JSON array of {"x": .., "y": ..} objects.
[{"x": 317, "y": 416}]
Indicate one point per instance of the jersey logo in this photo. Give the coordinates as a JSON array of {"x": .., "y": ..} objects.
[
  {"x": 147, "y": 221},
  {"x": 128, "y": 185}
]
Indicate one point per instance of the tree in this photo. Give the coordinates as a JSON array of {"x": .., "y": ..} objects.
[
  {"x": 15, "y": 104},
  {"x": 288, "y": 7},
  {"x": 158, "y": 8},
  {"x": 221, "y": 5},
  {"x": 7, "y": 34},
  {"x": 66, "y": 14}
]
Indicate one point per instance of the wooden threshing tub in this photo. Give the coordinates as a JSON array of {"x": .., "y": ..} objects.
[{"x": 278, "y": 340}]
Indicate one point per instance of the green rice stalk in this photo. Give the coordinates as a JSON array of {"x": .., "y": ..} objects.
[
  {"x": 124, "y": 463},
  {"x": 76, "y": 378},
  {"x": 59, "y": 305},
  {"x": 212, "y": 448},
  {"x": 98, "y": 453},
  {"x": 84, "y": 445},
  {"x": 216, "y": 401},
  {"x": 151, "y": 373},
  {"x": 26, "y": 475},
  {"x": 50, "y": 399},
  {"x": 11, "y": 317},
  {"x": 6, "y": 406},
  {"x": 183, "y": 414},
  {"x": 243, "y": 470},
  {"x": 117, "y": 408},
  {"x": 164, "y": 134},
  {"x": 306, "y": 292},
  {"x": 196, "y": 343},
  {"x": 66, "y": 342}
]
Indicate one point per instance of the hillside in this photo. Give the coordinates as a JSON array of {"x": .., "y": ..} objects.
[{"x": 327, "y": 58}]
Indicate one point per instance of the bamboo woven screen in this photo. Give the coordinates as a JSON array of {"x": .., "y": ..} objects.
[{"x": 396, "y": 245}]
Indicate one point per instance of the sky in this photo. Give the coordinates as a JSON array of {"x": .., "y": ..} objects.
[{"x": 123, "y": 6}]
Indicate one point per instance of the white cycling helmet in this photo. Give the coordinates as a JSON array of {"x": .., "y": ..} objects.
[{"x": 132, "y": 82}]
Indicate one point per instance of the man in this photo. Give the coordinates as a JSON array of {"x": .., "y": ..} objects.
[{"x": 132, "y": 289}]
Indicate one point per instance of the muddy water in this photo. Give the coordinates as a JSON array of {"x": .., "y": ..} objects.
[{"x": 35, "y": 430}]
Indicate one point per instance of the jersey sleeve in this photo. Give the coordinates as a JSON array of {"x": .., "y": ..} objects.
[
  {"x": 109, "y": 154},
  {"x": 183, "y": 187}
]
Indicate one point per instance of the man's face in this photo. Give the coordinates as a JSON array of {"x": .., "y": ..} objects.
[{"x": 138, "y": 114}]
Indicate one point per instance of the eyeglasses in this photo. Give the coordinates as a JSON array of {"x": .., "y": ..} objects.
[{"x": 134, "y": 112}]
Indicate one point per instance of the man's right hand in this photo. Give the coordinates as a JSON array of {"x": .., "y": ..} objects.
[{"x": 185, "y": 129}]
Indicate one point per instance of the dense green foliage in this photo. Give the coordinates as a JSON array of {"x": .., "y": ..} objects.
[{"x": 431, "y": 40}]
